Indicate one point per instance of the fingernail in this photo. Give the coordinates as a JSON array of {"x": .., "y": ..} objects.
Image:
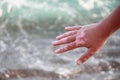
[
  {"x": 67, "y": 27},
  {"x": 54, "y": 42},
  {"x": 58, "y": 37},
  {"x": 57, "y": 51},
  {"x": 79, "y": 62}
]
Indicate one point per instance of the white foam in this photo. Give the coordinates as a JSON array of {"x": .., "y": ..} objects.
[{"x": 1, "y": 12}]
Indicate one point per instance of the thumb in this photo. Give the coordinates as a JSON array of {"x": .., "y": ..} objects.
[{"x": 84, "y": 57}]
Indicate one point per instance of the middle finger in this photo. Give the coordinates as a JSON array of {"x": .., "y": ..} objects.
[
  {"x": 65, "y": 40},
  {"x": 66, "y": 34}
]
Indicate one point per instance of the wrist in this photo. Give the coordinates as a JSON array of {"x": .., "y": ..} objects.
[{"x": 105, "y": 29}]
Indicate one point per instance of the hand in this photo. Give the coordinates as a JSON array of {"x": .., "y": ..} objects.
[{"x": 89, "y": 36}]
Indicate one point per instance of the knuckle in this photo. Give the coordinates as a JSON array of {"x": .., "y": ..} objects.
[
  {"x": 73, "y": 32},
  {"x": 80, "y": 43},
  {"x": 70, "y": 46},
  {"x": 67, "y": 33},
  {"x": 66, "y": 39},
  {"x": 65, "y": 48}
]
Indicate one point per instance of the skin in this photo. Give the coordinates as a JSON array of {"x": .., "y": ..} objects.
[{"x": 92, "y": 36}]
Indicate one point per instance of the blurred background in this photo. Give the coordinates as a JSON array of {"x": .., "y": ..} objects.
[{"x": 27, "y": 28}]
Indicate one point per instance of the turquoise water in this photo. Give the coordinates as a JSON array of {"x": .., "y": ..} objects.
[
  {"x": 27, "y": 28},
  {"x": 53, "y": 15}
]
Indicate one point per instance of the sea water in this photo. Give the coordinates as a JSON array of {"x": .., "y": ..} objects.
[{"x": 27, "y": 28}]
